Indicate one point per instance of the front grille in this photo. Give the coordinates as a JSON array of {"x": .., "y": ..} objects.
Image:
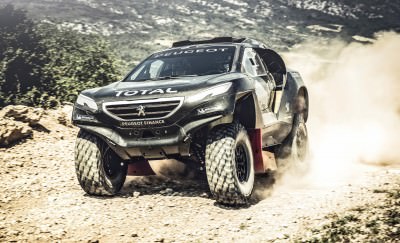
[{"x": 142, "y": 109}]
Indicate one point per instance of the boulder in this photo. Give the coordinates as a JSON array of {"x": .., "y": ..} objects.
[
  {"x": 54, "y": 120},
  {"x": 65, "y": 115},
  {"x": 12, "y": 131},
  {"x": 22, "y": 113}
]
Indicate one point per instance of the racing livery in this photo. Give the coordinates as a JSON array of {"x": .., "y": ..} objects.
[{"x": 228, "y": 106}]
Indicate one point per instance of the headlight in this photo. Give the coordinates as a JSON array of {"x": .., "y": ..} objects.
[
  {"x": 210, "y": 109},
  {"x": 214, "y": 91},
  {"x": 85, "y": 101}
]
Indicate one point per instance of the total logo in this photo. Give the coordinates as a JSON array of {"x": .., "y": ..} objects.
[{"x": 144, "y": 92}]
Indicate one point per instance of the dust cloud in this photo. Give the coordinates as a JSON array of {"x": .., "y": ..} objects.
[
  {"x": 354, "y": 118},
  {"x": 354, "y": 109}
]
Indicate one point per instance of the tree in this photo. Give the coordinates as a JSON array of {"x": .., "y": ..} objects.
[
  {"x": 21, "y": 55},
  {"x": 42, "y": 65}
]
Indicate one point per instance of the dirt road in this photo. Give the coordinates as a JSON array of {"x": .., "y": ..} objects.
[{"x": 40, "y": 200}]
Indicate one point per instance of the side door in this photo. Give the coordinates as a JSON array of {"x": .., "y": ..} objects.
[{"x": 254, "y": 66}]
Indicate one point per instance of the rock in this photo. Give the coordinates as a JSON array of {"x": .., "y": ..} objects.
[
  {"x": 136, "y": 194},
  {"x": 52, "y": 119},
  {"x": 15, "y": 164},
  {"x": 44, "y": 229},
  {"x": 12, "y": 131},
  {"x": 22, "y": 113},
  {"x": 67, "y": 115}
]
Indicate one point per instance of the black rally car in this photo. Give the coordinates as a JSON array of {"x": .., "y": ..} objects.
[{"x": 228, "y": 105}]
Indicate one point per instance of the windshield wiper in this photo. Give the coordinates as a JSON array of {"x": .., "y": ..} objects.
[
  {"x": 167, "y": 77},
  {"x": 176, "y": 76},
  {"x": 155, "y": 79}
]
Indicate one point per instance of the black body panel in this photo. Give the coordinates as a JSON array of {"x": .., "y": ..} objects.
[{"x": 163, "y": 117}]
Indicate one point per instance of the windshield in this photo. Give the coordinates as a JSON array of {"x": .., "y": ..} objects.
[{"x": 185, "y": 62}]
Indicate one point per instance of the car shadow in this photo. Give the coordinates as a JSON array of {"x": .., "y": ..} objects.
[
  {"x": 165, "y": 186},
  {"x": 186, "y": 182}
]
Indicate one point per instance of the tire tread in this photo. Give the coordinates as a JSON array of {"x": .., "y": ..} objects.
[
  {"x": 88, "y": 164},
  {"x": 220, "y": 164}
]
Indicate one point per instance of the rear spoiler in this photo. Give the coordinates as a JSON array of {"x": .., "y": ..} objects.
[{"x": 210, "y": 41}]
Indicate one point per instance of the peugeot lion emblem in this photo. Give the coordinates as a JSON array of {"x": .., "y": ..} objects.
[{"x": 140, "y": 110}]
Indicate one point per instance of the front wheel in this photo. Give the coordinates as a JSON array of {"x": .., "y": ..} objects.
[
  {"x": 229, "y": 164},
  {"x": 99, "y": 169}
]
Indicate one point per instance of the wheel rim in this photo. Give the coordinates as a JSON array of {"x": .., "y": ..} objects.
[
  {"x": 242, "y": 163},
  {"x": 111, "y": 168}
]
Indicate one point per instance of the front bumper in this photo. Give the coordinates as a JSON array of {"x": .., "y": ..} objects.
[
  {"x": 128, "y": 147},
  {"x": 145, "y": 138},
  {"x": 112, "y": 136}
]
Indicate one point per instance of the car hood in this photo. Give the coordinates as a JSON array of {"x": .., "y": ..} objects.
[{"x": 156, "y": 89}]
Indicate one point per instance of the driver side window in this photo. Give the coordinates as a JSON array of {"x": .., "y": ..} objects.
[{"x": 252, "y": 64}]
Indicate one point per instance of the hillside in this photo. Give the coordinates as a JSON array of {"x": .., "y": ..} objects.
[{"x": 138, "y": 27}]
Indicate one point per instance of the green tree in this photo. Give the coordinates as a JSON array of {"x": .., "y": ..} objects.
[
  {"x": 42, "y": 65},
  {"x": 21, "y": 55},
  {"x": 76, "y": 61}
]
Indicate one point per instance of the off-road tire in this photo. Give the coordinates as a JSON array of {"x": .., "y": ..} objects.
[
  {"x": 293, "y": 153},
  {"x": 92, "y": 155},
  {"x": 224, "y": 143}
]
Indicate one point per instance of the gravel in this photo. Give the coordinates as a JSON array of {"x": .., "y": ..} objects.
[{"x": 41, "y": 200}]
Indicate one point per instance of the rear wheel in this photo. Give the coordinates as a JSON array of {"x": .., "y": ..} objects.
[
  {"x": 229, "y": 164},
  {"x": 99, "y": 169},
  {"x": 294, "y": 150}
]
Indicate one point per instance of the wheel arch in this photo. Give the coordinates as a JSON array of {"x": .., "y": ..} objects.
[
  {"x": 244, "y": 107},
  {"x": 295, "y": 98},
  {"x": 302, "y": 102}
]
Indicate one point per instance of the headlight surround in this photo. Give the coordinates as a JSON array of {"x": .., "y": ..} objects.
[
  {"x": 86, "y": 102},
  {"x": 210, "y": 109},
  {"x": 223, "y": 104},
  {"x": 213, "y": 91}
]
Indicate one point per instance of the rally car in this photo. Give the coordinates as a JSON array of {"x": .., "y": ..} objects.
[{"x": 228, "y": 105}]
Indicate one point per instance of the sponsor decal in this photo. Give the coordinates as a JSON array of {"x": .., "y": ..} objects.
[
  {"x": 84, "y": 117},
  {"x": 142, "y": 123},
  {"x": 144, "y": 92},
  {"x": 191, "y": 51}
]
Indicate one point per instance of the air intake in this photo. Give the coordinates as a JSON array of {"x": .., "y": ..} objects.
[{"x": 142, "y": 109}]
